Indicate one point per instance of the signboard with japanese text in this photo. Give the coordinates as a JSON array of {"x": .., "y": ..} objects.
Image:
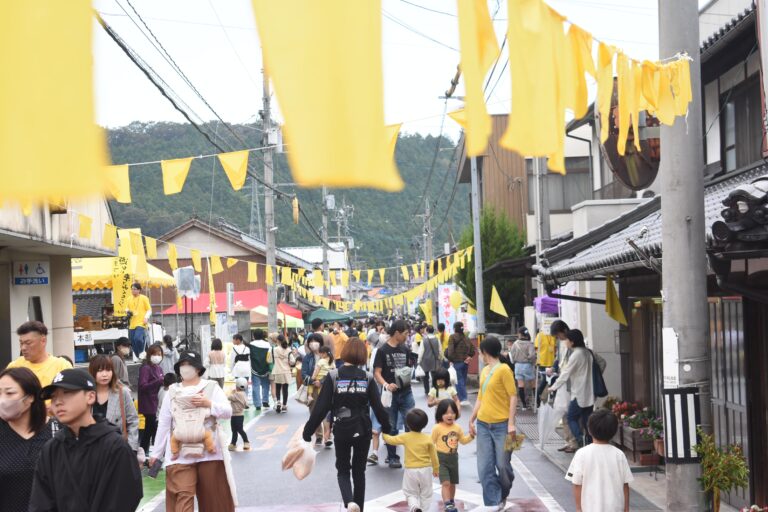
[
  {"x": 121, "y": 285},
  {"x": 446, "y": 313},
  {"x": 31, "y": 273}
]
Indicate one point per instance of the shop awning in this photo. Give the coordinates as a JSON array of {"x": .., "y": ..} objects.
[
  {"x": 286, "y": 316},
  {"x": 327, "y": 316},
  {"x": 96, "y": 273}
]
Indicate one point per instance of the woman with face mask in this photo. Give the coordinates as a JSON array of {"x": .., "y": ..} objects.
[
  {"x": 114, "y": 402},
  {"x": 207, "y": 477},
  {"x": 314, "y": 342},
  {"x": 150, "y": 382},
  {"x": 23, "y": 432}
]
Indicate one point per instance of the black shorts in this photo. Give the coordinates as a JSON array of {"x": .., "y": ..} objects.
[{"x": 449, "y": 467}]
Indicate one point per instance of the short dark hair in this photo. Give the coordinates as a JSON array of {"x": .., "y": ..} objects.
[
  {"x": 237, "y": 337},
  {"x": 169, "y": 379},
  {"x": 397, "y": 326},
  {"x": 258, "y": 334},
  {"x": 430, "y": 329},
  {"x": 168, "y": 340},
  {"x": 122, "y": 341},
  {"x": 354, "y": 352},
  {"x": 136, "y": 286},
  {"x": 283, "y": 342},
  {"x": 558, "y": 326},
  {"x": 458, "y": 327},
  {"x": 32, "y": 326},
  {"x": 442, "y": 408},
  {"x": 316, "y": 323},
  {"x": 416, "y": 420},
  {"x": 216, "y": 344},
  {"x": 491, "y": 346},
  {"x": 316, "y": 337},
  {"x": 602, "y": 424},
  {"x": 576, "y": 337},
  {"x": 441, "y": 374},
  {"x": 441, "y": 326},
  {"x": 101, "y": 362},
  {"x": 30, "y": 385}
]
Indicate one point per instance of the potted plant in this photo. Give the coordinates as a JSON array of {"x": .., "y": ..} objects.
[
  {"x": 622, "y": 410},
  {"x": 635, "y": 436},
  {"x": 722, "y": 469}
]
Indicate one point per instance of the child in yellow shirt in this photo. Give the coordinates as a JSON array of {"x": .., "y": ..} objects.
[
  {"x": 447, "y": 435},
  {"x": 421, "y": 462},
  {"x": 322, "y": 367}
]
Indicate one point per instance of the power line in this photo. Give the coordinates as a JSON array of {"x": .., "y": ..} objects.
[
  {"x": 429, "y": 9},
  {"x": 232, "y": 45},
  {"x": 434, "y": 156},
  {"x": 416, "y": 31}
]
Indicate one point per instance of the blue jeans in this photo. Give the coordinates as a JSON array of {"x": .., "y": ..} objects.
[
  {"x": 577, "y": 422},
  {"x": 402, "y": 402},
  {"x": 260, "y": 390},
  {"x": 494, "y": 465},
  {"x": 137, "y": 340},
  {"x": 461, "y": 379}
]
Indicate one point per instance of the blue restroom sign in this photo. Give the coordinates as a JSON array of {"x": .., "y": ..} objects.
[{"x": 31, "y": 273}]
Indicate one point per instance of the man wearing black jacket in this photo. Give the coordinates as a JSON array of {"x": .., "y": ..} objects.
[{"x": 87, "y": 466}]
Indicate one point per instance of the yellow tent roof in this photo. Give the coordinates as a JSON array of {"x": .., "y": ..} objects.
[{"x": 96, "y": 273}]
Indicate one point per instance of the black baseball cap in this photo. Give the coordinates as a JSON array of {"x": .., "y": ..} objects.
[
  {"x": 72, "y": 378},
  {"x": 193, "y": 358}
]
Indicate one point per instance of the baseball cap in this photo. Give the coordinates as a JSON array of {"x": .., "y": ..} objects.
[
  {"x": 241, "y": 383},
  {"x": 72, "y": 378}
]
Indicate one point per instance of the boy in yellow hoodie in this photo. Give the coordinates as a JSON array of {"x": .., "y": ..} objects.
[{"x": 421, "y": 462}]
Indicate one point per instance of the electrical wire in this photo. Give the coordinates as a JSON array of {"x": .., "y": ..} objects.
[
  {"x": 232, "y": 45},
  {"x": 429, "y": 9},
  {"x": 434, "y": 156},
  {"x": 417, "y": 32}
]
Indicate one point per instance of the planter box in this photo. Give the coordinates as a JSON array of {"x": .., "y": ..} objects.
[
  {"x": 634, "y": 442},
  {"x": 649, "y": 459},
  {"x": 658, "y": 444}
]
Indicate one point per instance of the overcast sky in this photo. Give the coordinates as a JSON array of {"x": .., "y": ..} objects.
[{"x": 216, "y": 45}]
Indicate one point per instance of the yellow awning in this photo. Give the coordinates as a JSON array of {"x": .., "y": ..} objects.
[
  {"x": 96, "y": 273},
  {"x": 290, "y": 322}
]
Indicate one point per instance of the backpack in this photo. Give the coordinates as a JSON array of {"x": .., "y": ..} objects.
[
  {"x": 598, "y": 383},
  {"x": 350, "y": 423}
]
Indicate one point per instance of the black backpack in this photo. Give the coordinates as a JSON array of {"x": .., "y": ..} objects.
[{"x": 598, "y": 383}]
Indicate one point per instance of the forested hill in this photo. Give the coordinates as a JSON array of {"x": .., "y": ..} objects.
[{"x": 382, "y": 222}]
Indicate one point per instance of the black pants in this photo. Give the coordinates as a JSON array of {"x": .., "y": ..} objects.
[
  {"x": 351, "y": 455},
  {"x": 148, "y": 434},
  {"x": 236, "y": 423},
  {"x": 425, "y": 380},
  {"x": 281, "y": 388}
]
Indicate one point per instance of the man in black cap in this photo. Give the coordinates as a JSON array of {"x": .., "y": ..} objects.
[{"x": 87, "y": 466}]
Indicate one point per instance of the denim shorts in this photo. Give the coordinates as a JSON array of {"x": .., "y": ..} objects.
[{"x": 524, "y": 371}]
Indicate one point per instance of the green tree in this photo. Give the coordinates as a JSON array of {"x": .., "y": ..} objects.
[{"x": 500, "y": 240}]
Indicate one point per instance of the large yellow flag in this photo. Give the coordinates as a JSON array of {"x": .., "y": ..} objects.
[
  {"x": 50, "y": 145},
  {"x": 211, "y": 294},
  {"x": 197, "y": 261},
  {"x": 151, "y": 247},
  {"x": 496, "y": 305},
  {"x": 479, "y": 49},
  {"x": 336, "y": 134},
  {"x": 119, "y": 183},
  {"x": 235, "y": 164},
  {"x": 215, "y": 264},
  {"x": 253, "y": 275},
  {"x": 612, "y": 303},
  {"x": 175, "y": 174},
  {"x": 605, "y": 55},
  {"x": 173, "y": 256}
]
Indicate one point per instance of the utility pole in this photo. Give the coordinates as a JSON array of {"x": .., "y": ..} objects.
[
  {"x": 478, "y": 256},
  {"x": 255, "y": 229},
  {"x": 542, "y": 214},
  {"x": 326, "y": 277},
  {"x": 684, "y": 271},
  {"x": 428, "y": 255},
  {"x": 269, "y": 205}
]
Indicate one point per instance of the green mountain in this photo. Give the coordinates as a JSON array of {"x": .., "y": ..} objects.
[{"x": 382, "y": 222}]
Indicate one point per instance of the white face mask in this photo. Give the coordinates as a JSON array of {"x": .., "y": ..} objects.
[
  {"x": 156, "y": 359},
  {"x": 125, "y": 350},
  {"x": 188, "y": 372},
  {"x": 313, "y": 346}
]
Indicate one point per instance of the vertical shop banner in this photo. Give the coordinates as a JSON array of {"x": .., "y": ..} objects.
[
  {"x": 121, "y": 285},
  {"x": 446, "y": 312}
]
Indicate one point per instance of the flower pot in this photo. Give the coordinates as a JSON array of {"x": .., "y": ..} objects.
[
  {"x": 634, "y": 442},
  {"x": 658, "y": 444},
  {"x": 649, "y": 459}
]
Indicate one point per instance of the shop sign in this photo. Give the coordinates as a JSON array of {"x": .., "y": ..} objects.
[
  {"x": 670, "y": 358},
  {"x": 31, "y": 273}
]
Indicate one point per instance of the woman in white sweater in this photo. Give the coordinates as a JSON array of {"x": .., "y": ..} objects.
[{"x": 577, "y": 375}]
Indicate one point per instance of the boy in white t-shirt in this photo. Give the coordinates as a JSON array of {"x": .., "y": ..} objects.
[{"x": 600, "y": 472}]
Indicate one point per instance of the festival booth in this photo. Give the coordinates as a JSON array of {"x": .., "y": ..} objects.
[{"x": 93, "y": 309}]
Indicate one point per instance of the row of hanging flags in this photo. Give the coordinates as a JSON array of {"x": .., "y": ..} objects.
[{"x": 325, "y": 62}]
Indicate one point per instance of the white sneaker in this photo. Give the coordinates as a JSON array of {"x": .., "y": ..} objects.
[
  {"x": 466, "y": 403},
  {"x": 353, "y": 507}
]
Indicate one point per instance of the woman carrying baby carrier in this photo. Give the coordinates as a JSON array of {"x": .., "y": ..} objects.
[
  {"x": 349, "y": 393},
  {"x": 188, "y": 436}
]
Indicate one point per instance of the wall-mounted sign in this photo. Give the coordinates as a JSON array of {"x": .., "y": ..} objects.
[{"x": 30, "y": 273}]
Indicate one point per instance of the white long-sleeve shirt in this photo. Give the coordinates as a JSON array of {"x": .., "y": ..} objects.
[
  {"x": 578, "y": 372},
  {"x": 220, "y": 409}
]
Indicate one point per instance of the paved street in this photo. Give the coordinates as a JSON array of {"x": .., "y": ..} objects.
[{"x": 262, "y": 486}]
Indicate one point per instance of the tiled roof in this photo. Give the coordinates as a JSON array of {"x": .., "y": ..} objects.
[
  {"x": 741, "y": 18},
  {"x": 611, "y": 253}
]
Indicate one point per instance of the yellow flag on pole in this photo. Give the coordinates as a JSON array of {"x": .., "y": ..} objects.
[
  {"x": 211, "y": 294},
  {"x": 85, "y": 226},
  {"x": 173, "y": 256},
  {"x": 496, "y": 305},
  {"x": 197, "y": 261},
  {"x": 175, "y": 174},
  {"x": 235, "y": 165},
  {"x": 479, "y": 49},
  {"x": 612, "y": 303},
  {"x": 46, "y": 97},
  {"x": 336, "y": 134},
  {"x": 118, "y": 183}
]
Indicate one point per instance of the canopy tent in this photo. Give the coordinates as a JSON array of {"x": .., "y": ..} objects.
[
  {"x": 286, "y": 316},
  {"x": 246, "y": 300},
  {"x": 326, "y": 316},
  {"x": 96, "y": 274}
]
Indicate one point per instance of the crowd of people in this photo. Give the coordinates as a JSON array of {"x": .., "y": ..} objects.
[{"x": 67, "y": 434}]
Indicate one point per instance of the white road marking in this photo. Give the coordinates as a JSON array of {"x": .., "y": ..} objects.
[{"x": 535, "y": 486}]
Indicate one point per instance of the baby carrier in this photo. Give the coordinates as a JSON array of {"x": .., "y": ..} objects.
[{"x": 192, "y": 433}]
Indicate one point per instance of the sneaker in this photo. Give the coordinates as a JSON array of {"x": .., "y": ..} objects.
[
  {"x": 258, "y": 409},
  {"x": 318, "y": 442},
  {"x": 373, "y": 460},
  {"x": 466, "y": 403},
  {"x": 415, "y": 509},
  {"x": 265, "y": 405},
  {"x": 395, "y": 464},
  {"x": 450, "y": 506},
  {"x": 246, "y": 447},
  {"x": 328, "y": 444},
  {"x": 232, "y": 448},
  {"x": 285, "y": 409},
  {"x": 353, "y": 507},
  {"x": 278, "y": 408}
]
